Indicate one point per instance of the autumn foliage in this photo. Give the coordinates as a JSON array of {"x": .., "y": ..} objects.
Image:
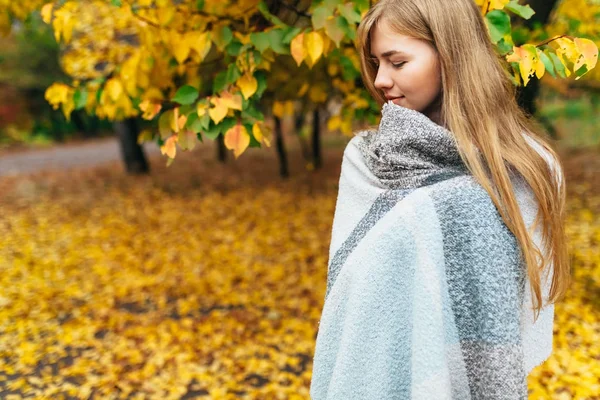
[{"x": 218, "y": 67}]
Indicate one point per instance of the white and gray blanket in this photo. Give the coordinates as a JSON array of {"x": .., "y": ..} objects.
[{"x": 427, "y": 294}]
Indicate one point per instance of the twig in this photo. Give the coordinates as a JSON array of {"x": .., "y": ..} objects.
[{"x": 552, "y": 39}]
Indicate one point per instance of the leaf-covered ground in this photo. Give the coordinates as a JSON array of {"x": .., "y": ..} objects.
[{"x": 206, "y": 281}]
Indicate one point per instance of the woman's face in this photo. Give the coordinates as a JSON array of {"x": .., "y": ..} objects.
[{"x": 408, "y": 71}]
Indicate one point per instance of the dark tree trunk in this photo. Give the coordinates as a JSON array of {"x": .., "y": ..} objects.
[
  {"x": 131, "y": 151},
  {"x": 283, "y": 162},
  {"x": 221, "y": 149},
  {"x": 298, "y": 124},
  {"x": 316, "y": 140},
  {"x": 526, "y": 95}
]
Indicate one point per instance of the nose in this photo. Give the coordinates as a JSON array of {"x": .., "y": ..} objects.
[{"x": 383, "y": 79}]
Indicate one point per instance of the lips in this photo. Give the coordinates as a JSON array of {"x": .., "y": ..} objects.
[{"x": 393, "y": 98}]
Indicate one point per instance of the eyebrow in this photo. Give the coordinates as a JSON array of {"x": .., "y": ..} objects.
[{"x": 389, "y": 53}]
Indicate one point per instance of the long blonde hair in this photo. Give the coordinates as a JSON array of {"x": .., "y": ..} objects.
[{"x": 479, "y": 107}]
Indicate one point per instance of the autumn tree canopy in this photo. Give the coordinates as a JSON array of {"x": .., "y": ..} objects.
[{"x": 204, "y": 68}]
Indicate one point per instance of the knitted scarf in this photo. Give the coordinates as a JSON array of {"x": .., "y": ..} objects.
[{"x": 427, "y": 292}]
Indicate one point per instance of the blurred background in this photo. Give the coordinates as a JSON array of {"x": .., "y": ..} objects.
[{"x": 168, "y": 177}]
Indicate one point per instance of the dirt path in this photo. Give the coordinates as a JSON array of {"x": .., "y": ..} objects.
[{"x": 62, "y": 157}]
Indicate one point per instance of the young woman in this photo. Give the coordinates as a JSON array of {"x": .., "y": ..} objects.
[{"x": 448, "y": 249}]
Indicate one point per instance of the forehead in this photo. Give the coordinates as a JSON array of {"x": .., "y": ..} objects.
[{"x": 384, "y": 40}]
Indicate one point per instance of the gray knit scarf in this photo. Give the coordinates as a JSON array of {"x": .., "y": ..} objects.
[{"x": 427, "y": 296}]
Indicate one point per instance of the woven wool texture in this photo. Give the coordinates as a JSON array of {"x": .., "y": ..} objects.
[{"x": 427, "y": 294}]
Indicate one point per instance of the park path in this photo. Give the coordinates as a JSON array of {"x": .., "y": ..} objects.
[{"x": 60, "y": 157}]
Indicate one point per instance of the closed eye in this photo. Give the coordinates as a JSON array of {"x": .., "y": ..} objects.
[{"x": 399, "y": 65}]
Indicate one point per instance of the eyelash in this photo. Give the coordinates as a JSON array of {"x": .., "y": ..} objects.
[{"x": 397, "y": 66}]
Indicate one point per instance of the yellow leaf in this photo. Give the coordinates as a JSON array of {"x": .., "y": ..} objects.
[
  {"x": 145, "y": 136},
  {"x": 114, "y": 88},
  {"x": 178, "y": 121},
  {"x": 525, "y": 59},
  {"x": 5, "y": 23},
  {"x": 237, "y": 139},
  {"x": 47, "y": 12},
  {"x": 166, "y": 15},
  {"x": 334, "y": 123},
  {"x": 317, "y": 94},
  {"x": 303, "y": 89},
  {"x": 540, "y": 68},
  {"x": 334, "y": 31},
  {"x": 313, "y": 43},
  {"x": 589, "y": 52},
  {"x": 247, "y": 84},
  {"x": 258, "y": 131},
  {"x": 201, "y": 109},
  {"x": 289, "y": 107},
  {"x": 297, "y": 48},
  {"x": 180, "y": 46},
  {"x": 233, "y": 101},
  {"x": 498, "y": 4},
  {"x": 57, "y": 94},
  {"x": 201, "y": 43},
  {"x": 169, "y": 147},
  {"x": 333, "y": 69},
  {"x": 219, "y": 111},
  {"x": 150, "y": 109},
  {"x": 278, "y": 109},
  {"x": 187, "y": 139},
  {"x": 68, "y": 107},
  {"x": 243, "y": 38}
]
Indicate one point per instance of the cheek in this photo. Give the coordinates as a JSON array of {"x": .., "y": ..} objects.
[{"x": 423, "y": 79}]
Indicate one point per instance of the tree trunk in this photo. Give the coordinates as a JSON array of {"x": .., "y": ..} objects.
[
  {"x": 283, "y": 162},
  {"x": 316, "y": 140},
  {"x": 527, "y": 95},
  {"x": 221, "y": 149},
  {"x": 131, "y": 151},
  {"x": 298, "y": 124}
]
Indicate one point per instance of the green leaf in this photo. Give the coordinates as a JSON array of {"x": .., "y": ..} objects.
[
  {"x": 289, "y": 33},
  {"x": 498, "y": 23},
  {"x": 198, "y": 124},
  {"x": 276, "y": 41},
  {"x": 223, "y": 38},
  {"x": 349, "y": 12},
  {"x": 349, "y": 29},
  {"x": 349, "y": 73},
  {"x": 200, "y": 4},
  {"x": 116, "y": 3},
  {"x": 187, "y": 109},
  {"x": 522, "y": 11},
  {"x": 233, "y": 73},
  {"x": 547, "y": 63},
  {"x": 558, "y": 65},
  {"x": 80, "y": 98},
  {"x": 164, "y": 124},
  {"x": 581, "y": 72},
  {"x": 260, "y": 40},
  {"x": 233, "y": 48},
  {"x": 185, "y": 95},
  {"x": 505, "y": 45},
  {"x": 261, "y": 78},
  {"x": 212, "y": 133},
  {"x": 253, "y": 113},
  {"x": 319, "y": 16},
  {"x": 220, "y": 81}
]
